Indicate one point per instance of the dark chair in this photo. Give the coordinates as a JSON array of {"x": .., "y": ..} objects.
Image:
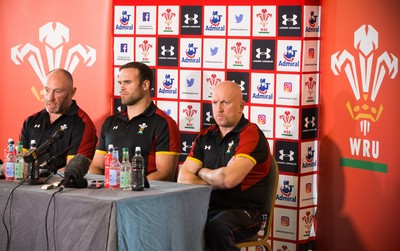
[{"x": 262, "y": 240}]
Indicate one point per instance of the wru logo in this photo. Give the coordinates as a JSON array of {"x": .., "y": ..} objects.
[
  {"x": 54, "y": 36},
  {"x": 366, "y": 44}
]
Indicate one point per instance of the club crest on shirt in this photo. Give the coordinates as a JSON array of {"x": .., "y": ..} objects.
[
  {"x": 141, "y": 128},
  {"x": 228, "y": 150}
]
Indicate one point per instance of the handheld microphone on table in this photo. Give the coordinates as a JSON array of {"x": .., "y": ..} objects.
[
  {"x": 75, "y": 172},
  {"x": 34, "y": 154},
  {"x": 49, "y": 164}
]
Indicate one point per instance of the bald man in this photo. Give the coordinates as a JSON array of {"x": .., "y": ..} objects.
[
  {"x": 60, "y": 111},
  {"x": 233, "y": 157}
]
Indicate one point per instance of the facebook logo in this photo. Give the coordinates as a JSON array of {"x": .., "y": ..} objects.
[
  {"x": 124, "y": 47},
  {"x": 146, "y": 17}
]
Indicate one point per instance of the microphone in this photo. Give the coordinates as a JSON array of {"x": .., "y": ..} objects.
[
  {"x": 33, "y": 154},
  {"x": 48, "y": 164},
  {"x": 75, "y": 171}
]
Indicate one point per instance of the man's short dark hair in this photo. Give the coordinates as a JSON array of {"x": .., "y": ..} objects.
[{"x": 144, "y": 71}]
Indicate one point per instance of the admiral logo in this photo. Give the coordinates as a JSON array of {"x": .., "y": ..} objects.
[
  {"x": 312, "y": 22},
  {"x": 168, "y": 15},
  {"x": 54, "y": 37},
  {"x": 189, "y": 112},
  {"x": 365, "y": 89},
  {"x": 191, "y": 55},
  {"x": 263, "y": 17},
  {"x": 309, "y": 157},
  {"x": 206, "y": 147},
  {"x": 286, "y": 190},
  {"x": 168, "y": 83},
  {"x": 287, "y": 120},
  {"x": 36, "y": 126},
  {"x": 215, "y": 21},
  {"x": 289, "y": 56},
  {"x": 124, "y": 21},
  {"x": 262, "y": 91}
]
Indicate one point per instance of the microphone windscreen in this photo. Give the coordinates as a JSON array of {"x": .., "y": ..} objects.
[{"x": 77, "y": 167}]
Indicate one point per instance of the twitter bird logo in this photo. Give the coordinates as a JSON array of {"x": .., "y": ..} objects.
[
  {"x": 239, "y": 18},
  {"x": 189, "y": 82},
  {"x": 214, "y": 51}
]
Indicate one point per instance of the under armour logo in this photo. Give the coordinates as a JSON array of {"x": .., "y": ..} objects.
[
  {"x": 309, "y": 122},
  {"x": 286, "y": 155},
  {"x": 186, "y": 146},
  {"x": 287, "y": 19},
  {"x": 165, "y": 50},
  {"x": 115, "y": 127},
  {"x": 264, "y": 53},
  {"x": 209, "y": 116},
  {"x": 193, "y": 19},
  {"x": 37, "y": 126},
  {"x": 207, "y": 147}
]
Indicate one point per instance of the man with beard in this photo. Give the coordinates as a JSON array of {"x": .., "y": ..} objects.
[
  {"x": 142, "y": 124},
  {"x": 61, "y": 113}
]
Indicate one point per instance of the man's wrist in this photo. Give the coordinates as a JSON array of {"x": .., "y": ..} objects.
[{"x": 198, "y": 171}]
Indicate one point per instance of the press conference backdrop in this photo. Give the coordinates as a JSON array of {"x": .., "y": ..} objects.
[{"x": 271, "y": 49}]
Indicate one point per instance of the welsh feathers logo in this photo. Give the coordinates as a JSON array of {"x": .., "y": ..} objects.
[
  {"x": 365, "y": 76},
  {"x": 365, "y": 86},
  {"x": 54, "y": 37}
]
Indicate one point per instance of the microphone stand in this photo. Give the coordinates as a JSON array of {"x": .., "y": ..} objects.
[
  {"x": 34, "y": 176},
  {"x": 35, "y": 168}
]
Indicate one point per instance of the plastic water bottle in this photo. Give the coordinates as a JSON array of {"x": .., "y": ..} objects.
[
  {"x": 125, "y": 169},
  {"x": 115, "y": 165},
  {"x": 107, "y": 161},
  {"x": 10, "y": 157},
  {"x": 19, "y": 163},
  {"x": 137, "y": 171}
]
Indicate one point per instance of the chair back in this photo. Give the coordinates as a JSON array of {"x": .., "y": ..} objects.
[{"x": 268, "y": 210}]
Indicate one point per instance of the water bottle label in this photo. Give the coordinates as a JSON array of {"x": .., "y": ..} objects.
[
  {"x": 124, "y": 179},
  {"x": 19, "y": 170},
  {"x": 113, "y": 177},
  {"x": 10, "y": 169}
]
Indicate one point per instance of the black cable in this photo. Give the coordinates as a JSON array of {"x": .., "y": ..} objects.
[
  {"x": 4, "y": 213},
  {"x": 45, "y": 223}
]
